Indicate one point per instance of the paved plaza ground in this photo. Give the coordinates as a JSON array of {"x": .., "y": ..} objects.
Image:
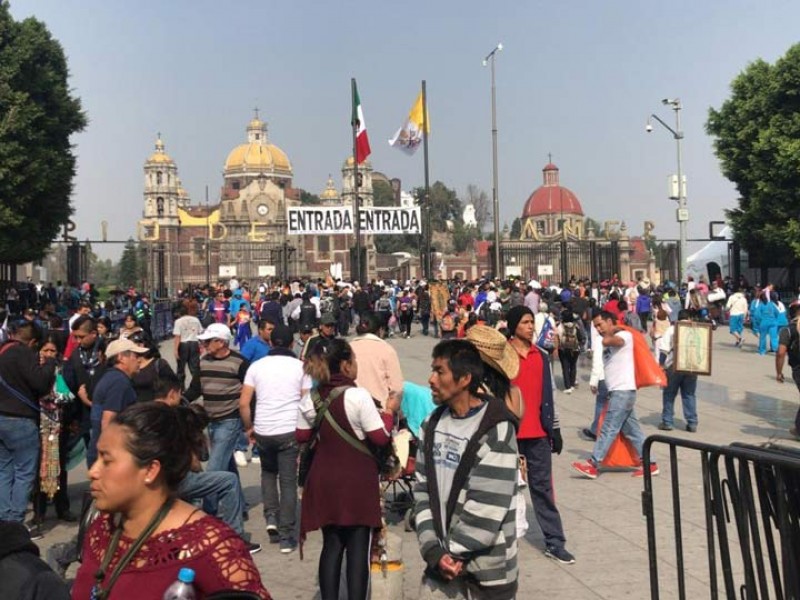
[{"x": 605, "y": 529}]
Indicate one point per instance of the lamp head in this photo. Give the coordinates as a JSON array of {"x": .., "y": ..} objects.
[
  {"x": 484, "y": 62},
  {"x": 649, "y": 127},
  {"x": 499, "y": 46}
]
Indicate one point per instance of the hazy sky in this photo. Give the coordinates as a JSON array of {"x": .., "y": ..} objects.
[{"x": 576, "y": 79}]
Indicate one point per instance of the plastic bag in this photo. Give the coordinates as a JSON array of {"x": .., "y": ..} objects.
[
  {"x": 621, "y": 453},
  {"x": 646, "y": 369}
]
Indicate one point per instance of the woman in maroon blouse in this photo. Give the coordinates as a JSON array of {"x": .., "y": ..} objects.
[
  {"x": 144, "y": 535},
  {"x": 341, "y": 491}
]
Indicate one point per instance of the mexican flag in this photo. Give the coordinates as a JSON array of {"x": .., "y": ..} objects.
[{"x": 357, "y": 121}]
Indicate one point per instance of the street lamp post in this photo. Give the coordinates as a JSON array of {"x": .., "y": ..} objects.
[
  {"x": 682, "y": 212},
  {"x": 495, "y": 194}
]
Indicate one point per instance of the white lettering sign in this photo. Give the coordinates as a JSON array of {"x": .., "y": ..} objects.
[
  {"x": 319, "y": 219},
  {"x": 389, "y": 220}
]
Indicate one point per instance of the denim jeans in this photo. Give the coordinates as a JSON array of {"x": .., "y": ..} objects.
[
  {"x": 539, "y": 462},
  {"x": 19, "y": 457},
  {"x": 188, "y": 356},
  {"x": 620, "y": 417},
  {"x": 223, "y": 435},
  {"x": 279, "y": 481},
  {"x": 600, "y": 400},
  {"x": 686, "y": 383},
  {"x": 223, "y": 486}
]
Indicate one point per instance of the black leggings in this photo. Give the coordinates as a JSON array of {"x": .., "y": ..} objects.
[{"x": 336, "y": 541}]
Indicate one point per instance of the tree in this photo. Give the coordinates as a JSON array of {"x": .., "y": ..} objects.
[
  {"x": 129, "y": 265},
  {"x": 382, "y": 194},
  {"x": 38, "y": 114},
  {"x": 516, "y": 229},
  {"x": 480, "y": 201},
  {"x": 757, "y": 141},
  {"x": 445, "y": 205},
  {"x": 463, "y": 236},
  {"x": 590, "y": 223},
  {"x": 309, "y": 199}
]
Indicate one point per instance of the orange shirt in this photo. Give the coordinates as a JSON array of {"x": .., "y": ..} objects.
[{"x": 529, "y": 381}]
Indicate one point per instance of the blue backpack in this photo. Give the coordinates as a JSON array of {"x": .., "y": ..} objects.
[{"x": 547, "y": 336}]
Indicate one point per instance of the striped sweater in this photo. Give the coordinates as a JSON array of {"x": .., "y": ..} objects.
[
  {"x": 479, "y": 524},
  {"x": 220, "y": 384}
]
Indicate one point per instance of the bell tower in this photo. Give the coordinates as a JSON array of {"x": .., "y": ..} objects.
[{"x": 162, "y": 188}]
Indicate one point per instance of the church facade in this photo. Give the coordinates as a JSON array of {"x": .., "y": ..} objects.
[{"x": 244, "y": 234}]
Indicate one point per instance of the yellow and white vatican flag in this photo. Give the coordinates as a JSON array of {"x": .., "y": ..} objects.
[{"x": 409, "y": 137}]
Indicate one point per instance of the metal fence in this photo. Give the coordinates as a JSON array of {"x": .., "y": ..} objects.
[{"x": 751, "y": 511}]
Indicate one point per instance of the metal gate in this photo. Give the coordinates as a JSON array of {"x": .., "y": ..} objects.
[{"x": 574, "y": 259}]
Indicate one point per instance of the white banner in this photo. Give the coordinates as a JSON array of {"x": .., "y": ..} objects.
[
  {"x": 388, "y": 220},
  {"x": 391, "y": 220},
  {"x": 319, "y": 219}
]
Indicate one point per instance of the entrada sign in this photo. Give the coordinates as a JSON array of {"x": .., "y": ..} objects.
[{"x": 339, "y": 219}]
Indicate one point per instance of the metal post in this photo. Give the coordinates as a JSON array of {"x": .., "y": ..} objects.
[
  {"x": 495, "y": 190},
  {"x": 355, "y": 270},
  {"x": 683, "y": 217},
  {"x": 427, "y": 270},
  {"x": 208, "y": 242}
]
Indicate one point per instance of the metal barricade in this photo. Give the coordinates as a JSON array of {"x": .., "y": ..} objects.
[{"x": 751, "y": 506}]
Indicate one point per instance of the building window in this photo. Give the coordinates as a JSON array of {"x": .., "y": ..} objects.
[
  {"x": 258, "y": 136},
  {"x": 198, "y": 249},
  {"x": 235, "y": 185},
  {"x": 160, "y": 206},
  {"x": 323, "y": 247},
  {"x": 159, "y": 176}
]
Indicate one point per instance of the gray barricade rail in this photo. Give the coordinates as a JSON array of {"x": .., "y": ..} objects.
[{"x": 751, "y": 506}]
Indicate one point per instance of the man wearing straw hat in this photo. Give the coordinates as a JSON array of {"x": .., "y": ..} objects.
[{"x": 539, "y": 433}]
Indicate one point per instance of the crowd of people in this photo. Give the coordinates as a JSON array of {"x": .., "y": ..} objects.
[{"x": 299, "y": 378}]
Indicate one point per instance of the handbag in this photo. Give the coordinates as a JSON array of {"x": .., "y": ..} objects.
[
  {"x": 307, "y": 451},
  {"x": 388, "y": 464}
]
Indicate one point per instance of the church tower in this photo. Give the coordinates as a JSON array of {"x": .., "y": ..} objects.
[{"x": 162, "y": 188}]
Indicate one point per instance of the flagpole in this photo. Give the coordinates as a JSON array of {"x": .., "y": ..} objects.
[
  {"x": 355, "y": 270},
  {"x": 427, "y": 267}
]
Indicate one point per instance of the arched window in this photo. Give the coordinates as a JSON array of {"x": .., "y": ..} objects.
[
  {"x": 159, "y": 177},
  {"x": 160, "y": 206}
]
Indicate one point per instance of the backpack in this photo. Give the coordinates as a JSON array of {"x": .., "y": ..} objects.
[
  {"x": 326, "y": 305},
  {"x": 546, "y": 339},
  {"x": 448, "y": 322},
  {"x": 568, "y": 340},
  {"x": 384, "y": 305}
]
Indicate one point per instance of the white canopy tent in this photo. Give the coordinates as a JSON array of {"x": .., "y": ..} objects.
[{"x": 713, "y": 255}]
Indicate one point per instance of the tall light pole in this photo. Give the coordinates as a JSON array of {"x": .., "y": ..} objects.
[
  {"x": 680, "y": 194},
  {"x": 495, "y": 194}
]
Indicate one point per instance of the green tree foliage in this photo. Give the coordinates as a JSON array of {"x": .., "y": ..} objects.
[
  {"x": 129, "y": 265},
  {"x": 445, "y": 205},
  {"x": 590, "y": 223},
  {"x": 309, "y": 199},
  {"x": 757, "y": 140},
  {"x": 38, "y": 114},
  {"x": 516, "y": 229}
]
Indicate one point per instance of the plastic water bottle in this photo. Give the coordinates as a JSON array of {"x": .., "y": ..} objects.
[{"x": 182, "y": 589}]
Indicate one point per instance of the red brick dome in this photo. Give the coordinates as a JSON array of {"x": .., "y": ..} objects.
[{"x": 552, "y": 198}]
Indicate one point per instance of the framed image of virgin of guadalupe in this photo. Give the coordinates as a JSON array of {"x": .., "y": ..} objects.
[{"x": 692, "y": 347}]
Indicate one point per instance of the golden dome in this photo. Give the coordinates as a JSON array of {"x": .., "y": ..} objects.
[
  {"x": 256, "y": 124},
  {"x": 159, "y": 156},
  {"x": 258, "y": 157},
  {"x": 330, "y": 192},
  {"x": 348, "y": 164}
]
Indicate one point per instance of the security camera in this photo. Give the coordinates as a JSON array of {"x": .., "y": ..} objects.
[{"x": 648, "y": 128}]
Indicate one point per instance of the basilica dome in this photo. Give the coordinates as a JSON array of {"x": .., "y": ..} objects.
[
  {"x": 552, "y": 198},
  {"x": 258, "y": 156}
]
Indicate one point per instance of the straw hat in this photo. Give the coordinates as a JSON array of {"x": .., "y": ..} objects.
[{"x": 494, "y": 349}]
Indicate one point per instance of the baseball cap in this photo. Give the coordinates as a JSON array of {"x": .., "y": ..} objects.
[
  {"x": 216, "y": 331},
  {"x": 327, "y": 319},
  {"x": 306, "y": 329},
  {"x": 281, "y": 336},
  {"x": 124, "y": 345}
]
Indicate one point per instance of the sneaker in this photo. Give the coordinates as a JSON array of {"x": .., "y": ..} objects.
[
  {"x": 272, "y": 531},
  {"x": 588, "y": 433},
  {"x": 559, "y": 554},
  {"x": 253, "y": 547},
  {"x": 586, "y": 468},
  {"x": 240, "y": 458},
  {"x": 255, "y": 459},
  {"x": 691, "y": 428},
  {"x": 568, "y": 391},
  {"x": 35, "y": 531},
  {"x": 664, "y": 426},
  {"x": 640, "y": 471},
  {"x": 288, "y": 546}
]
